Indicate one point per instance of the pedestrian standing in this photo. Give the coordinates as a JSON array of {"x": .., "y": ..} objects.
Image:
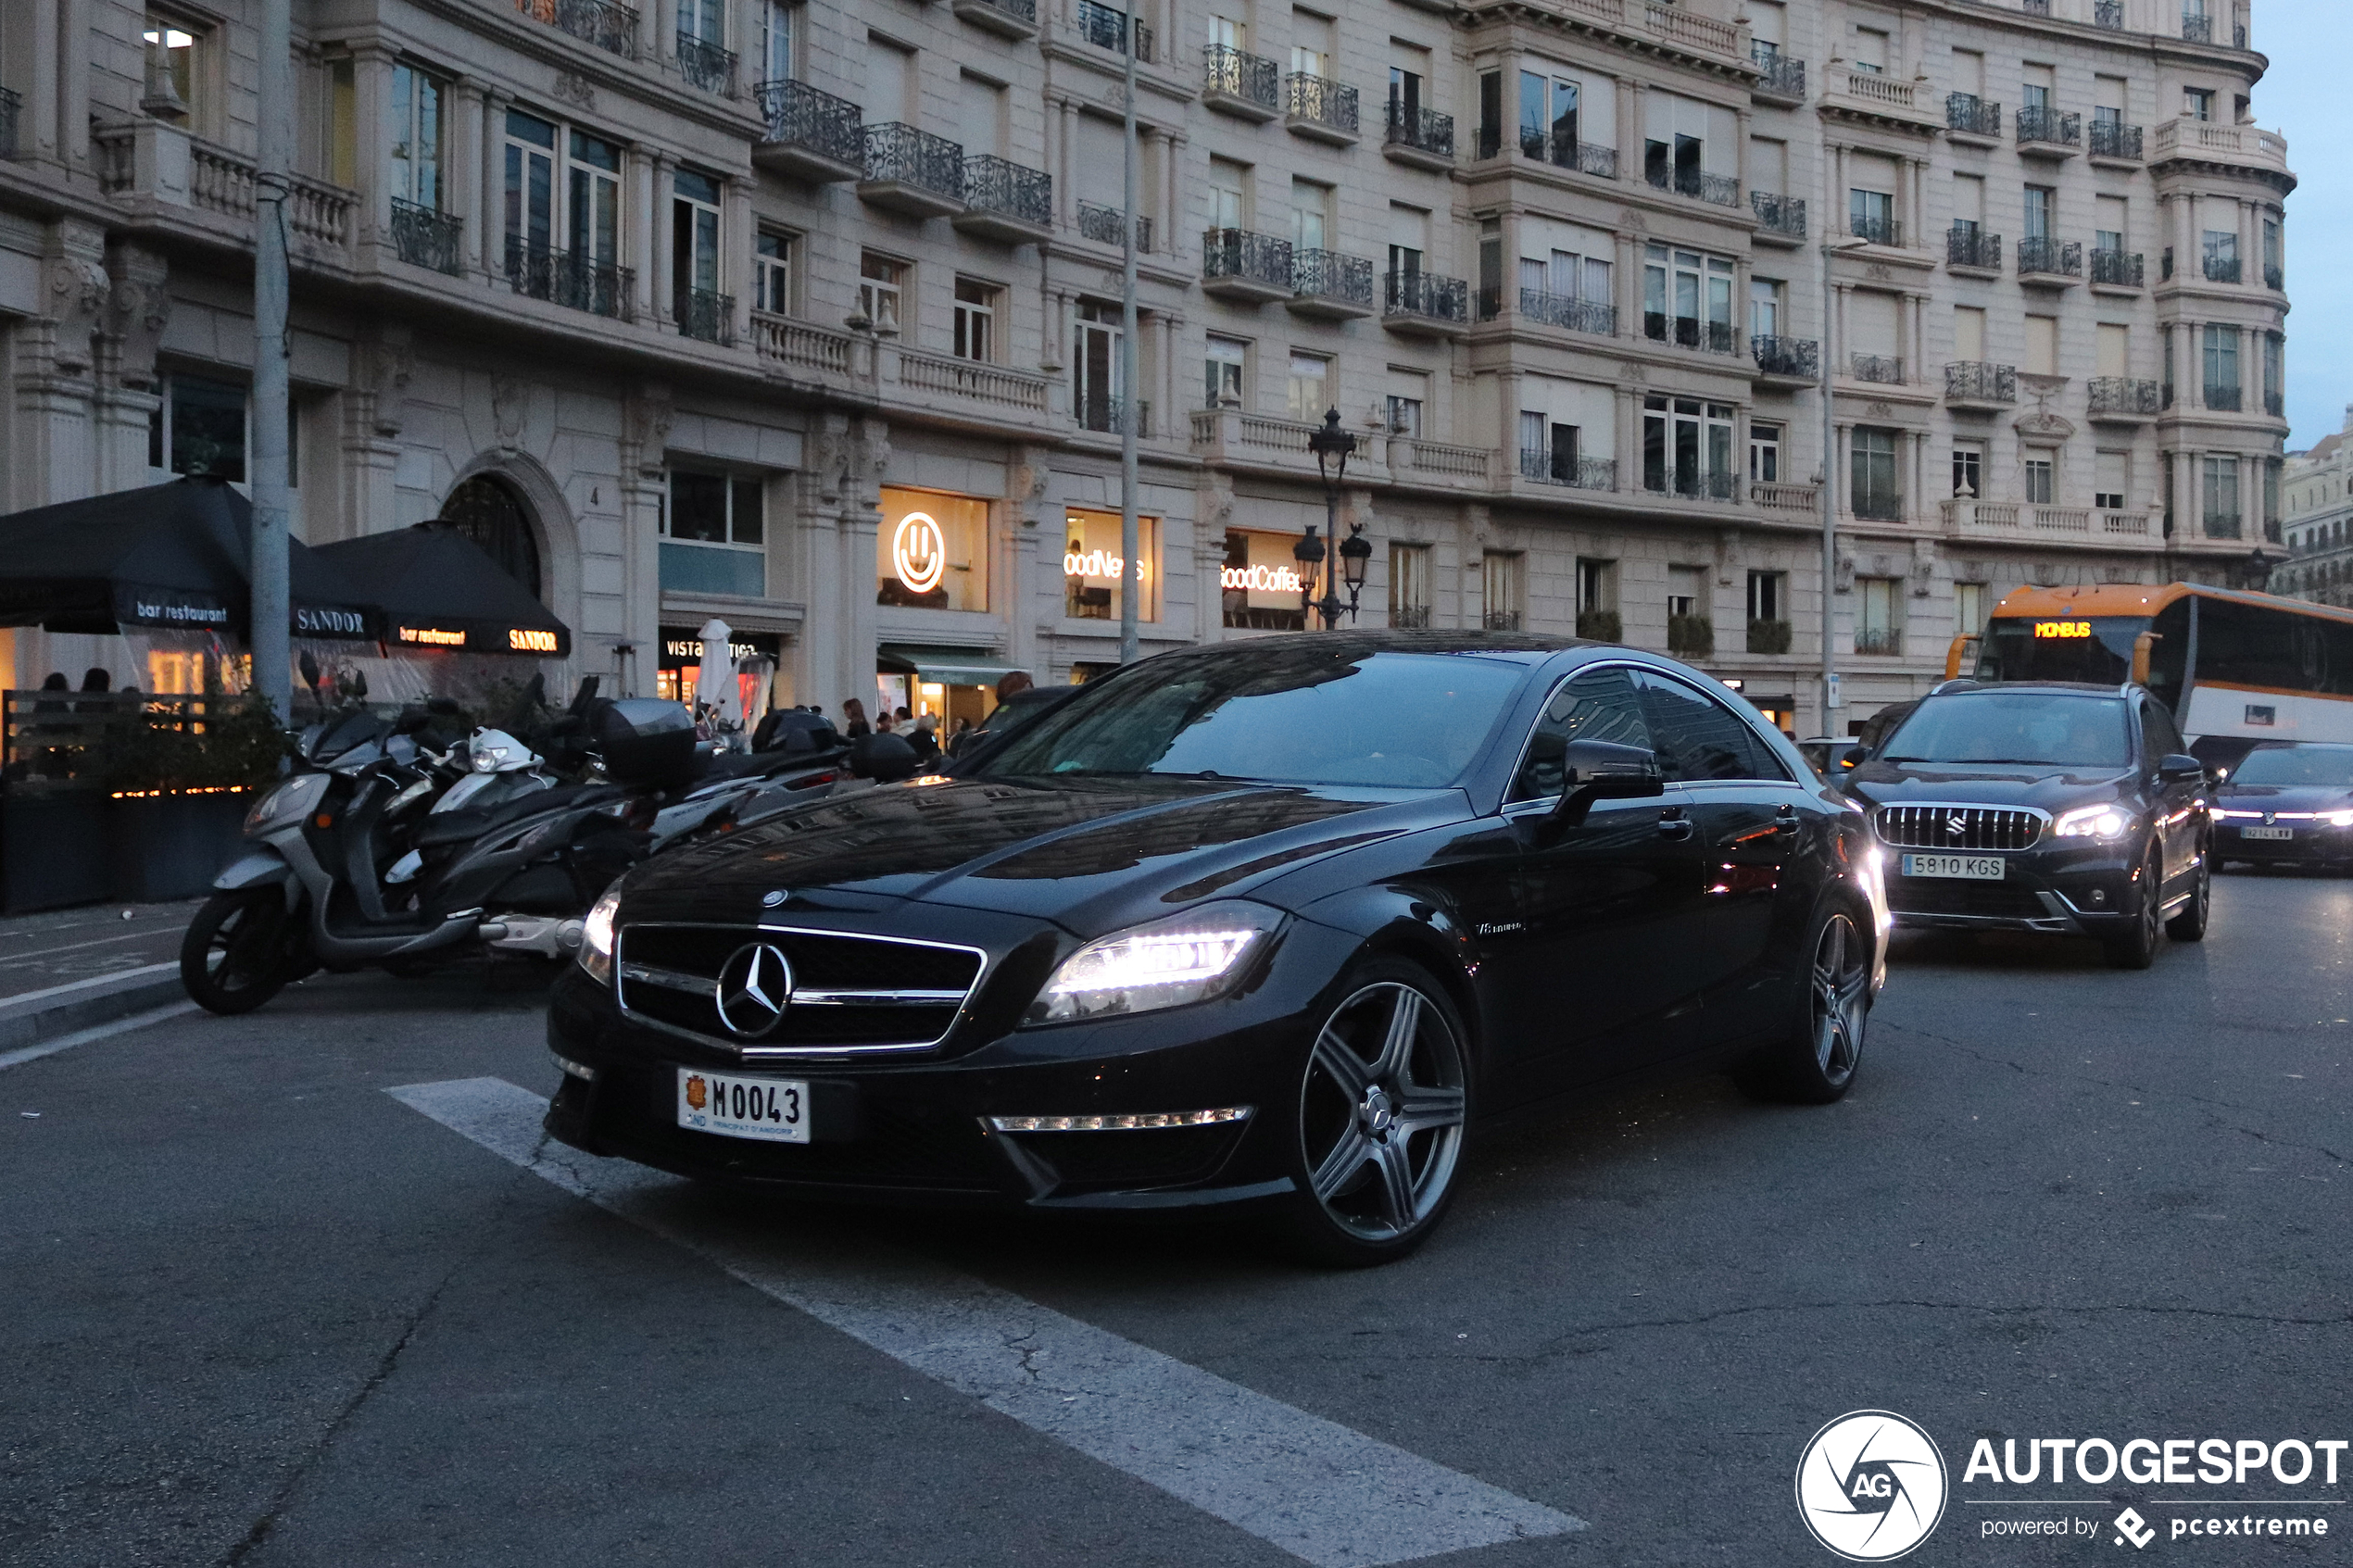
[{"x": 853, "y": 713}]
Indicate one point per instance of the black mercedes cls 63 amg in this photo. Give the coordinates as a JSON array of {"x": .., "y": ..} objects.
[
  {"x": 2043, "y": 805},
  {"x": 1273, "y": 925}
]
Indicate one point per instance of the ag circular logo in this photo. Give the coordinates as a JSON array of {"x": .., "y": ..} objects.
[
  {"x": 754, "y": 986},
  {"x": 918, "y": 552},
  {"x": 1871, "y": 1486}
]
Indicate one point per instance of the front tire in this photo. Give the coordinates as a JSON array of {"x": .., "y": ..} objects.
[
  {"x": 237, "y": 953},
  {"x": 2189, "y": 925},
  {"x": 2137, "y": 948},
  {"x": 1379, "y": 1117},
  {"x": 1815, "y": 1064}
]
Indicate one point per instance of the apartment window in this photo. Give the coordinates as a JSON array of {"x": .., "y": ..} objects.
[
  {"x": 2112, "y": 477},
  {"x": 1765, "y": 308},
  {"x": 1969, "y": 608},
  {"x": 1968, "y": 468},
  {"x": 1596, "y": 585},
  {"x": 714, "y": 534},
  {"x": 2221, "y": 476},
  {"x": 771, "y": 273},
  {"x": 1548, "y": 449},
  {"x": 1767, "y": 596},
  {"x": 1687, "y": 446},
  {"x": 1228, "y": 205},
  {"x": 200, "y": 428},
  {"x": 1311, "y": 49},
  {"x": 1969, "y": 333},
  {"x": 2273, "y": 344},
  {"x": 2041, "y": 471},
  {"x": 2041, "y": 204},
  {"x": 176, "y": 71},
  {"x": 1306, "y": 392},
  {"x": 703, "y": 20},
  {"x": 1879, "y": 602},
  {"x": 1686, "y": 590},
  {"x": 1565, "y": 274},
  {"x": 542, "y": 159},
  {"x": 1764, "y": 452},
  {"x": 1969, "y": 203},
  {"x": 775, "y": 27},
  {"x": 1873, "y": 491},
  {"x": 1870, "y": 214},
  {"x": 2222, "y": 366},
  {"x": 1404, "y": 409},
  {"x": 2272, "y": 274},
  {"x": 2198, "y": 103},
  {"x": 881, "y": 285},
  {"x": 1490, "y": 113},
  {"x": 2042, "y": 346},
  {"x": 1687, "y": 298},
  {"x": 1547, "y": 117},
  {"x": 1498, "y": 583},
  {"x": 1405, "y": 97},
  {"x": 1096, "y": 368},
  {"x": 1409, "y": 581},
  {"x": 2034, "y": 92},
  {"x": 2111, "y": 225},
  {"x": 2220, "y": 249},
  {"x": 1223, "y": 368},
  {"x": 977, "y": 305},
  {"x": 415, "y": 154},
  {"x": 1871, "y": 51},
  {"x": 1490, "y": 267},
  {"x": 1310, "y": 202},
  {"x": 693, "y": 256}
]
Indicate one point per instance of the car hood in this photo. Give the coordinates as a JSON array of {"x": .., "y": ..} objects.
[
  {"x": 1089, "y": 854},
  {"x": 2284, "y": 797},
  {"x": 1984, "y": 783}
]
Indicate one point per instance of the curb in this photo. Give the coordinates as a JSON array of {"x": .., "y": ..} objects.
[{"x": 60, "y": 1010}]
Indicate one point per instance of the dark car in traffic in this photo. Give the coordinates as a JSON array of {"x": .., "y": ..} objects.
[
  {"x": 2045, "y": 805},
  {"x": 1272, "y": 924},
  {"x": 2287, "y": 804}
]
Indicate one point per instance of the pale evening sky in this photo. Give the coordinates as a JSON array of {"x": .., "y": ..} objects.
[{"x": 2308, "y": 98}]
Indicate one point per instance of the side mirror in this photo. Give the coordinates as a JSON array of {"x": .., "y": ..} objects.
[
  {"x": 1600, "y": 770},
  {"x": 2179, "y": 767}
]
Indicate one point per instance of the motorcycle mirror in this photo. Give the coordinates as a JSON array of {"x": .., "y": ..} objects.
[
  {"x": 309, "y": 667},
  {"x": 360, "y": 684}
]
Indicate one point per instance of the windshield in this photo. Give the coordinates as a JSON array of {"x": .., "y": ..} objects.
[
  {"x": 1303, "y": 713},
  {"x": 2297, "y": 765},
  {"x": 2046, "y": 728}
]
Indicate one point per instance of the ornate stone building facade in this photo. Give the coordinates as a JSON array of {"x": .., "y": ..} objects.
[
  {"x": 805, "y": 316},
  {"x": 2320, "y": 520}
]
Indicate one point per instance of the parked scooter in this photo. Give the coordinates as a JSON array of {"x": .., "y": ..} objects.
[{"x": 518, "y": 876}]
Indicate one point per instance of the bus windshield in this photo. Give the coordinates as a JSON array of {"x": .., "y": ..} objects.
[{"x": 2097, "y": 648}]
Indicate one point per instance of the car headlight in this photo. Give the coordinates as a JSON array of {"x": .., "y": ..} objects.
[
  {"x": 1187, "y": 958},
  {"x": 287, "y": 801},
  {"x": 2093, "y": 822},
  {"x": 2341, "y": 819},
  {"x": 597, "y": 934}
]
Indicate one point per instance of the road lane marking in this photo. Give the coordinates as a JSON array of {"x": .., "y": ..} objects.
[
  {"x": 34, "y": 1052},
  {"x": 1317, "y": 1489}
]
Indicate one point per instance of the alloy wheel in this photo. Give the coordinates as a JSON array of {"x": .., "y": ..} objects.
[
  {"x": 1841, "y": 986},
  {"x": 1381, "y": 1111}
]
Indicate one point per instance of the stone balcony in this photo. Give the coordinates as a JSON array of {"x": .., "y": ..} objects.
[
  {"x": 164, "y": 174},
  {"x": 2232, "y": 148},
  {"x": 1966, "y": 517}
]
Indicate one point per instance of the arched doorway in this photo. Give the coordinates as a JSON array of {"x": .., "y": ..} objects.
[{"x": 493, "y": 517}]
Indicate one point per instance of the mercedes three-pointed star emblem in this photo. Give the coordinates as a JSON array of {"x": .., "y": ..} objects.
[{"x": 755, "y": 983}]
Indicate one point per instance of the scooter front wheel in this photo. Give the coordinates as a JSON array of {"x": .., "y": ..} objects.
[{"x": 235, "y": 955}]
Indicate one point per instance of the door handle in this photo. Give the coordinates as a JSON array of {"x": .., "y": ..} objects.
[{"x": 1672, "y": 823}]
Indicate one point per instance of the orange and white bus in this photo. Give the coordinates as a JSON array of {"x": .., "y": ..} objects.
[{"x": 2233, "y": 666}]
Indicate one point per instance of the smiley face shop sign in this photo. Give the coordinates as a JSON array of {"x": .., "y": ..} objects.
[
  {"x": 932, "y": 551},
  {"x": 918, "y": 552}
]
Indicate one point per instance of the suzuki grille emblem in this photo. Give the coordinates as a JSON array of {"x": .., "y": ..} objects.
[
  {"x": 754, "y": 985},
  {"x": 1957, "y": 825}
]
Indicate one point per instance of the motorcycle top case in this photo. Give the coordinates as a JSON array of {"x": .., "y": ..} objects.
[{"x": 647, "y": 741}]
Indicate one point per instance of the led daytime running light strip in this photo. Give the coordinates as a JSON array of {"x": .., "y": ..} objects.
[{"x": 1119, "y": 1123}]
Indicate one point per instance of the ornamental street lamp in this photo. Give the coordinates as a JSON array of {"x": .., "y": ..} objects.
[
  {"x": 1355, "y": 554},
  {"x": 1333, "y": 447}
]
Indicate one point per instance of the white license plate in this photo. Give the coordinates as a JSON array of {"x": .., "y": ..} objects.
[
  {"x": 1973, "y": 868},
  {"x": 2267, "y": 832},
  {"x": 768, "y": 1109}
]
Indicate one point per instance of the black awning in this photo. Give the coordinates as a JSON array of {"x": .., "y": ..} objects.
[
  {"x": 172, "y": 556},
  {"x": 440, "y": 589}
]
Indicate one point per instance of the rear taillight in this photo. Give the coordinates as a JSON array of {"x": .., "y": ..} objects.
[{"x": 811, "y": 782}]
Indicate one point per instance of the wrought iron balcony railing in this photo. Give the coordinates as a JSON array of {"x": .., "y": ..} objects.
[
  {"x": 1320, "y": 100},
  {"x": 1327, "y": 275},
  {"x": 1972, "y": 115},
  {"x": 2223, "y": 525},
  {"x": 2116, "y": 267},
  {"x": 2109, "y": 14},
  {"x": 1877, "y": 231},
  {"x": 2223, "y": 397},
  {"x": 1885, "y": 368},
  {"x": 2199, "y": 27},
  {"x": 2275, "y": 405},
  {"x": 1721, "y": 189},
  {"x": 1965, "y": 245},
  {"x": 1794, "y": 357},
  {"x": 1560, "y": 151},
  {"x": 2273, "y": 278},
  {"x": 1423, "y": 130},
  {"x": 1102, "y": 224},
  {"x": 2113, "y": 139},
  {"x": 707, "y": 66},
  {"x": 569, "y": 278},
  {"x": 704, "y": 314},
  {"x": 1880, "y": 509},
  {"x": 1575, "y": 471},
  {"x": 2038, "y": 253},
  {"x": 2050, "y": 127},
  {"x": 1238, "y": 253},
  {"x": 1236, "y": 75},
  {"x": 803, "y": 115},
  {"x": 1107, "y": 28},
  {"x": 994, "y": 184},
  {"x": 610, "y": 27},
  {"x": 1779, "y": 215},
  {"x": 1699, "y": 485},
  {"x": 2120, "y": 394},
  {"x": 1974, "y": 381},
  {"x": 1784, "y": 75},
  {"x": 1593, "y": 315},
  {"x": 2221, "y": 269},
  {"x": 910, "y": 156},
  {"x": 1886, "y": 640},
  {"x": 1689, "y": 331},
  {"x": 1427, "y": 295},
  {"x": 422, "y": 237},
  {"x": 1108, "y": 415}
]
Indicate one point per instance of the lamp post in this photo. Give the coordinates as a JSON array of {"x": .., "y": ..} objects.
[
  {"x": 1333, "y": 447},
  {"x": 1830, "y": 480}
]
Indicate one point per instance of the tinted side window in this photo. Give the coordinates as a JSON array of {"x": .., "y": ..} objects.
[
  {"x": 1698, "y": 736},
  {"x": 1598, "y": 704},
  {"x": 2160, "y": 735}
]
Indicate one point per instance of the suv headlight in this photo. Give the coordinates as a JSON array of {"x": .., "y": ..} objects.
[
  {"x": 285, "y": 802},
  {"x": 2093, "y": 822},
  {"x": 597, "y": 934},
  {"x": 1187, "y": 958}
]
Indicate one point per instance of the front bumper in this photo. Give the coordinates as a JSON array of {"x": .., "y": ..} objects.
[
  {"x": 2315, "y": 843},
  {"x": 917, "y": 1129},
  {"x": 2086, "y": 891}
]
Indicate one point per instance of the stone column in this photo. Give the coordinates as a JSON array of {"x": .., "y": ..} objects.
[
  {"x": 655, "y": 245},
  {"x": 1744, "y": 121},
  {"x": 1629, "y": 449},
  {"x": 735, "y": 256},
  {"x": 54, "y": 365},
  {"x": 464, "y": 163},
  {"x": 490, "y": 208},
  {"x": 644, "y": 448},
  {"x": 1170, "y": 243},
  {"x": 72, "y": 84},
  {"x": 373, "y": 132},
  {"x": 1630, "y": 283},
  {"x": 1061, "y": 144},
  {"x": 40, "y": 129},
  {"x": 138, "y": 308}
]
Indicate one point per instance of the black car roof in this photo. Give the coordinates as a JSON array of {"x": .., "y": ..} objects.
[
  {"x": 2064, "y": 688},
  {"x": 1351, "y": 642}
]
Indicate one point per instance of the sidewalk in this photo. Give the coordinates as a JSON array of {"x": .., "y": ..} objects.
[{"x": 70, "y": 969}]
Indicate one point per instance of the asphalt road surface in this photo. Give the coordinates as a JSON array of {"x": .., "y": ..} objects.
[{"x": 256, "y": 1309}]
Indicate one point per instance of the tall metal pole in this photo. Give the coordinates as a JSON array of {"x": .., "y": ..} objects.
[
  {"x": 1829, "y": 507},
  {"x": 266, "y": 632},
  {"x": 1130, "y": 549}
]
